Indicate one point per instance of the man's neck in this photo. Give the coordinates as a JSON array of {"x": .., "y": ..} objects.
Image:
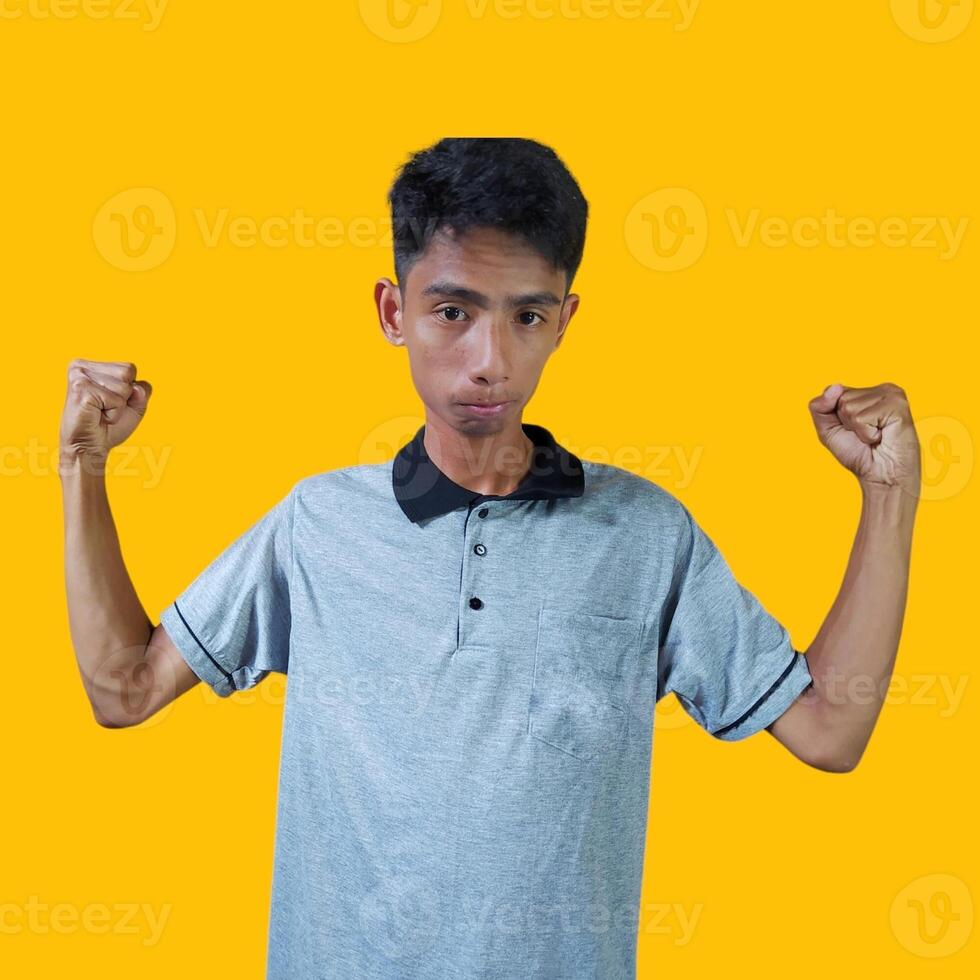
[{"x": 493, "y": 464}]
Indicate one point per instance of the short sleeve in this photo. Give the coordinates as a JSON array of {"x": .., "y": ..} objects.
[
  {"x": 232, "y": 623},
  {"x": 731, "y": 665}
]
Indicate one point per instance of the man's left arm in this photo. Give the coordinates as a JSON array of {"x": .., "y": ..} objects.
[{"x": 869, "y": 431}]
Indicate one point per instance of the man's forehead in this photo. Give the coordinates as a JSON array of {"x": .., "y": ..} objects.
[{"x": 440, "y": 270}]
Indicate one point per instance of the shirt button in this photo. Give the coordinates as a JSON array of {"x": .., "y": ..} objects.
[
  {"x": 480, "y": 549},
  {"x": 482, "y": 512},
  {"x": 476, "y": 603}
]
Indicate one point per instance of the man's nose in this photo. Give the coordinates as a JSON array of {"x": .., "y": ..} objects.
[{"x": 491, "y": 353}]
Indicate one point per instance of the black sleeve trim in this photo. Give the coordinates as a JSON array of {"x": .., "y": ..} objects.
[
  {"x": 202, "y": 646},
  {"x": 772, "y": 688}
]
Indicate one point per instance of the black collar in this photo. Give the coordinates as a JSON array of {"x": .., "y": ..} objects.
[{"x": 423, "y": 490}]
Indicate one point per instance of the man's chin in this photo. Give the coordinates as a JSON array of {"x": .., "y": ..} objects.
[{"x": 482, "y": 427}]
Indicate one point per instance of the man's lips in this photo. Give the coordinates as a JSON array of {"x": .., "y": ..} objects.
[{"x": 484, "y": 408}]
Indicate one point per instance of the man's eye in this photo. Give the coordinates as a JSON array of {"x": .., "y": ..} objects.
[
  {"x": 531, "y": 313},
  {"x": 447, "y": 310}
]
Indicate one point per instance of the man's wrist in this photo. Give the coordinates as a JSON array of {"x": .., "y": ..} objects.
[
  {"x": 72, "y": 464},
  {"x": 891, "y": 503}
]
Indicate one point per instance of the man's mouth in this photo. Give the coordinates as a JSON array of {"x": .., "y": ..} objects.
[{"x": 484, "y": 408}]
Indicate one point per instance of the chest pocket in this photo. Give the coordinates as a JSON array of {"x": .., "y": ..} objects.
[{"x": 576, "y": 693}]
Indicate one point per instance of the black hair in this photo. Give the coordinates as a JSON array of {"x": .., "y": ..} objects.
[{"x": 516, "y": 185}]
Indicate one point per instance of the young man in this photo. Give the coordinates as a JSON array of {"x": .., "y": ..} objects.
[{"x": 476, "y": 632}]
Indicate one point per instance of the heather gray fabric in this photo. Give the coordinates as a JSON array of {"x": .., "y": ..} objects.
[{"x": 476, "y": 809}]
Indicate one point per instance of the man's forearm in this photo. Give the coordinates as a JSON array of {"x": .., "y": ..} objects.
[
  {"x": 109, "y": 627},
  {"x": 853, "y": 655}
]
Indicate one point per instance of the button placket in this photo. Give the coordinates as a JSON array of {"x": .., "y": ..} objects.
[{"x": 471, "y": 599}]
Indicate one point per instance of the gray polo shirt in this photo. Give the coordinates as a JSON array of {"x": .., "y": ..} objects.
[{"x": 468, "y": 723}]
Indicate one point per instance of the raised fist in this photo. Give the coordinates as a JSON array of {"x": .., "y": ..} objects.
[{"x": 103, "y": 406}]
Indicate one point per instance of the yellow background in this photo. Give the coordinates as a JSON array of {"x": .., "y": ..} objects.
[{"x": 268, "y": 365}]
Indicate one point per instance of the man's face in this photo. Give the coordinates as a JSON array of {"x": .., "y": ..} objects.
[{"x": 480, "y": 315}]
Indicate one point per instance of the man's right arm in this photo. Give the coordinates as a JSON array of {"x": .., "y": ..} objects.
[{"x": 130, "y": 669}]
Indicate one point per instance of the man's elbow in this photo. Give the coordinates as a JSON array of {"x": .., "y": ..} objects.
[
  {"x": 818, "y": 736},
  {"x": 831, "y": 758},
  {"x": 107, "y": 721},
  {"x": 118, "y": 714},
  {"x": 836, "y": 765},
  {"x": 103, "y": 723}
]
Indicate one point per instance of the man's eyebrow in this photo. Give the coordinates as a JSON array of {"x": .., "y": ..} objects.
[{"x": 447, "y": 288}]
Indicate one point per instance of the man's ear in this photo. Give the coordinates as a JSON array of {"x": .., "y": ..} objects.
[
  {"x": 568, "y": 309},
  {"x": 388, "y": 300}
]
